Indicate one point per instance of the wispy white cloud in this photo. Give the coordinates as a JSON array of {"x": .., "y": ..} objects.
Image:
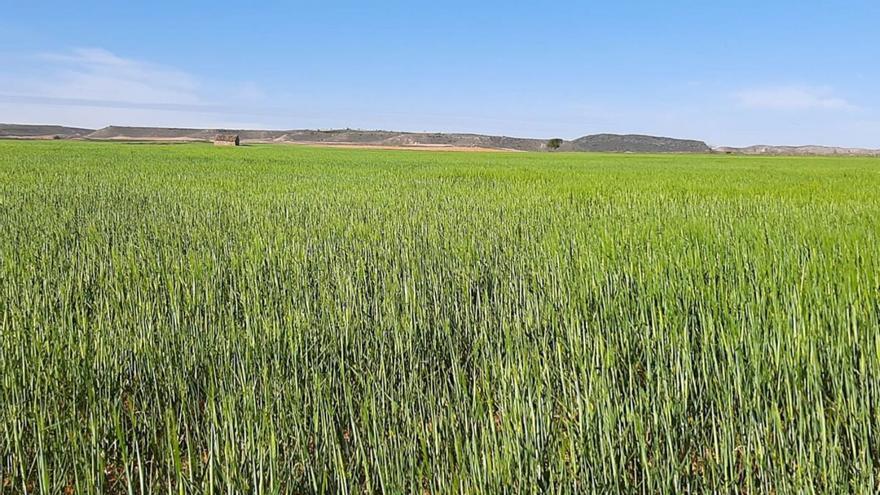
[
  {"x": 94, "y": 73},
  {"x": 793, "y": 98},
  {"x": 95, "y": 87}
]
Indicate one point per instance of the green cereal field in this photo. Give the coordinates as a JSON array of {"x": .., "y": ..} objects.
[{"x": 286, "y": 319}]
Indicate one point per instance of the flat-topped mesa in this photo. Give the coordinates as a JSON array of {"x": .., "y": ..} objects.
[
  {"x": 123, "y": 133},
  {"x": 29, "y": 131},
  {"x": 636, "y": 143}
]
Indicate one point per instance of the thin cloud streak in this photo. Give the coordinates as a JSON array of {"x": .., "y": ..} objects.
[
  {"x": 86, "y": 102},
  {"x": 95, "y": 73},
  {"x": 793, "y": 98}
]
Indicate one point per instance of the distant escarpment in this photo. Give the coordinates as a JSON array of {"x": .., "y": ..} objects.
[
  {"x": 635, "y": 143},
  {"x": 27, "y": 131},
  {"x": 609, "y": 143}
]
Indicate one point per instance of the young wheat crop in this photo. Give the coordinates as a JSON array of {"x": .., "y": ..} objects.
[{"x": 267, "y": 319}]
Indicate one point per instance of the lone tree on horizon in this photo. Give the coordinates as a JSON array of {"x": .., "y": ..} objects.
[{"x": 554, "y": 144}]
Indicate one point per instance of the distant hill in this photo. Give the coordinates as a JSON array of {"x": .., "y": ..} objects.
[
  {"x": 121, "y": 133},
  {"x": 337, "y": 137},
  {"x": 616, "y": 143},
  {"x": 605, "y": 143},
  {"x": 25, "y": 131},
  {"x": 798, "y": 151},
  {"x": 600, "y": 142}
]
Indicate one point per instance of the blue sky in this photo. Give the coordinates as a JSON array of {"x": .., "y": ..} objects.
[{"x": 730, "y": 73}]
